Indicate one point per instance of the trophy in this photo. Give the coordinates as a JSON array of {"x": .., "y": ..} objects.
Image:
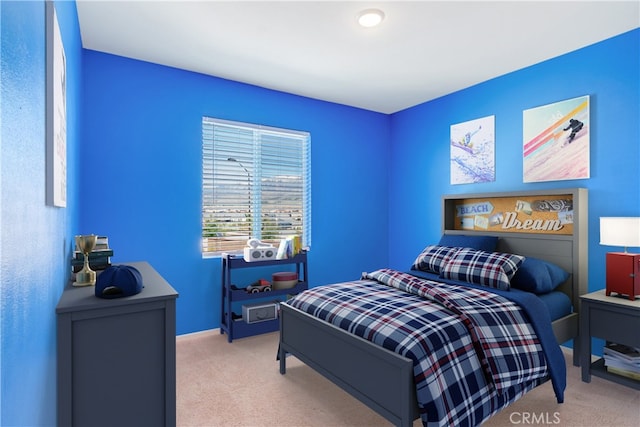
[{"x": 86, "y": 276}]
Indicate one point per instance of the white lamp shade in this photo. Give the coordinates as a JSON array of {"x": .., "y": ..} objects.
[{"x": 620, "y": 231}]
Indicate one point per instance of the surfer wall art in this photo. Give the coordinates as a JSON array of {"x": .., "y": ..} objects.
[
  {"x": 472, "y": 151},
  {"x": 556, "y": 141}
]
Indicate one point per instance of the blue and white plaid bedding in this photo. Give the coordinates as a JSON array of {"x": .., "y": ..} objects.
[{"x": 474, "y": 352}]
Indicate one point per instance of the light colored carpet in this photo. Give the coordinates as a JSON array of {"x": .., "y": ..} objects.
[{"x": 239, "y": 384}]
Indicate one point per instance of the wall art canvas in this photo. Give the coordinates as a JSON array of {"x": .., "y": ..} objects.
[
  {"x": 473, "y": 151},
  {"x": 556, "y": 141},
  {"x": 56, "y": 168}
]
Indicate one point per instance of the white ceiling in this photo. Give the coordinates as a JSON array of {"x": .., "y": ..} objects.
[{"x": 423, "y": 49}]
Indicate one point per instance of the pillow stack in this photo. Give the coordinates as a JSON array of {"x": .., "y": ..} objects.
[{"x": 472, "y": 259}]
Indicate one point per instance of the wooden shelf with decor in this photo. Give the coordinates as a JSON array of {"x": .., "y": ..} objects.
[{"x": 234, "y": 324}]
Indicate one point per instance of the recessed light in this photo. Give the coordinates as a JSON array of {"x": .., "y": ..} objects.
[{"x": 370, "y": 17}]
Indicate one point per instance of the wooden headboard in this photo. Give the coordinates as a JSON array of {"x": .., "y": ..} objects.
[{"x": 548, "y": 224}]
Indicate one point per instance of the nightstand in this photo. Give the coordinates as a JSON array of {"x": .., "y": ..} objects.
[{"x": 611, "y": 318}]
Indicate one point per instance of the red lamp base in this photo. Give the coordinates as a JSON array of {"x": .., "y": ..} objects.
[{"x": 623, "y": 274}]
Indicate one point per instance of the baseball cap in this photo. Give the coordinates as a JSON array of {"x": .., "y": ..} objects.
[{"x": 118, "y": 281}]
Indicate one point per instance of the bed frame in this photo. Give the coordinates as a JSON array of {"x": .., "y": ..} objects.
[{"x": 382, "y": 379}]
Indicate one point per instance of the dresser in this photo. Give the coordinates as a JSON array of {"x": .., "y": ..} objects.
[{"x": 116, "y": 358}]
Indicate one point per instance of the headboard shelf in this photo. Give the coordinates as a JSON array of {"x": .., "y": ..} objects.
[{"x": 545, "y": 211}]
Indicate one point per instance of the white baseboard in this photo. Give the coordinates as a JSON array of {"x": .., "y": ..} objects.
[{"x": 192, "y": 334}]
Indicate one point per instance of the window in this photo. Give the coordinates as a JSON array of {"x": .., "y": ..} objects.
[{"x": 256, "y": 183}]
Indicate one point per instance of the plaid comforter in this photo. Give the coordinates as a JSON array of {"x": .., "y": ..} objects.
[{"x": 474, "y": 352}]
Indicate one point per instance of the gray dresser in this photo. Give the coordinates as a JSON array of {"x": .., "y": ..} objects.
[{"x": 117, "y": 357}]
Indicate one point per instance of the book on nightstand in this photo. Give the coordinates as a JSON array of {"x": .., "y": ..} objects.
[
  {"x": 622, "y": 352},
  {"x": 622, "y": 360},
  {"x": 624, "y": 373}
]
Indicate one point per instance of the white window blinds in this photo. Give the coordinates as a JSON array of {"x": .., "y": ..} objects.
[{"x": 256, "y": 183}]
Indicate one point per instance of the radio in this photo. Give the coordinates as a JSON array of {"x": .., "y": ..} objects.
[{"x": 258, "y": 251}]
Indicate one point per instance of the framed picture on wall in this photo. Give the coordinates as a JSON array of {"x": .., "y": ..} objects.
[
  {"x": 472, "y": 151},
  {"x": 556, "y": 141},
  {"x": 56, "y": 131}
]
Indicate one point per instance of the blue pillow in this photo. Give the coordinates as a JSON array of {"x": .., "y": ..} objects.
[
  {"x": 538, "y": 276},
  {"x": 481, "y": 243}
]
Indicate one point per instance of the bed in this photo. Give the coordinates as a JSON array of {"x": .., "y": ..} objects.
[{"x": 385, "y": 380}]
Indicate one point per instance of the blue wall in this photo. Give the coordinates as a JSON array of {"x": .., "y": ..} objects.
[
  {"x": 35, "y": 239},
  {"x": 609, "y": 72},
  {"x": 141, "y": 180},
  {"x": 142, "y": 133}
]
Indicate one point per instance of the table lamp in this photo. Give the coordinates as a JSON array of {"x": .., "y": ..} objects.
[{"x": 622, "y": 268}]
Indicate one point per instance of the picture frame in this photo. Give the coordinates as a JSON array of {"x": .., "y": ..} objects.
[
  {"x": 556, "y": 142},
  {"x": 472, "y": 151},
  {"x": 56, "y": 114}
]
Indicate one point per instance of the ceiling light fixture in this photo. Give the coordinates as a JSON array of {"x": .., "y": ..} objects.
[{"x": 370, "y": 17}]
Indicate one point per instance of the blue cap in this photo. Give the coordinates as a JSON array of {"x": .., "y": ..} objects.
[{"x": 118, "y": 281}]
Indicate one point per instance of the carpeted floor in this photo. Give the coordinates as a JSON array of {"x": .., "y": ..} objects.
[{"x": 239, "y": 384}]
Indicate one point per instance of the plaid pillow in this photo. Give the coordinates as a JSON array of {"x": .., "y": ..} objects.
[
  {"x": 433, "y": 257},
  {"x": 492, "y": 269}
]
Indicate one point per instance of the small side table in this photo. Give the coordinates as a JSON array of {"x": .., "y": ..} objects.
[{"x": 611, "y": 318}]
